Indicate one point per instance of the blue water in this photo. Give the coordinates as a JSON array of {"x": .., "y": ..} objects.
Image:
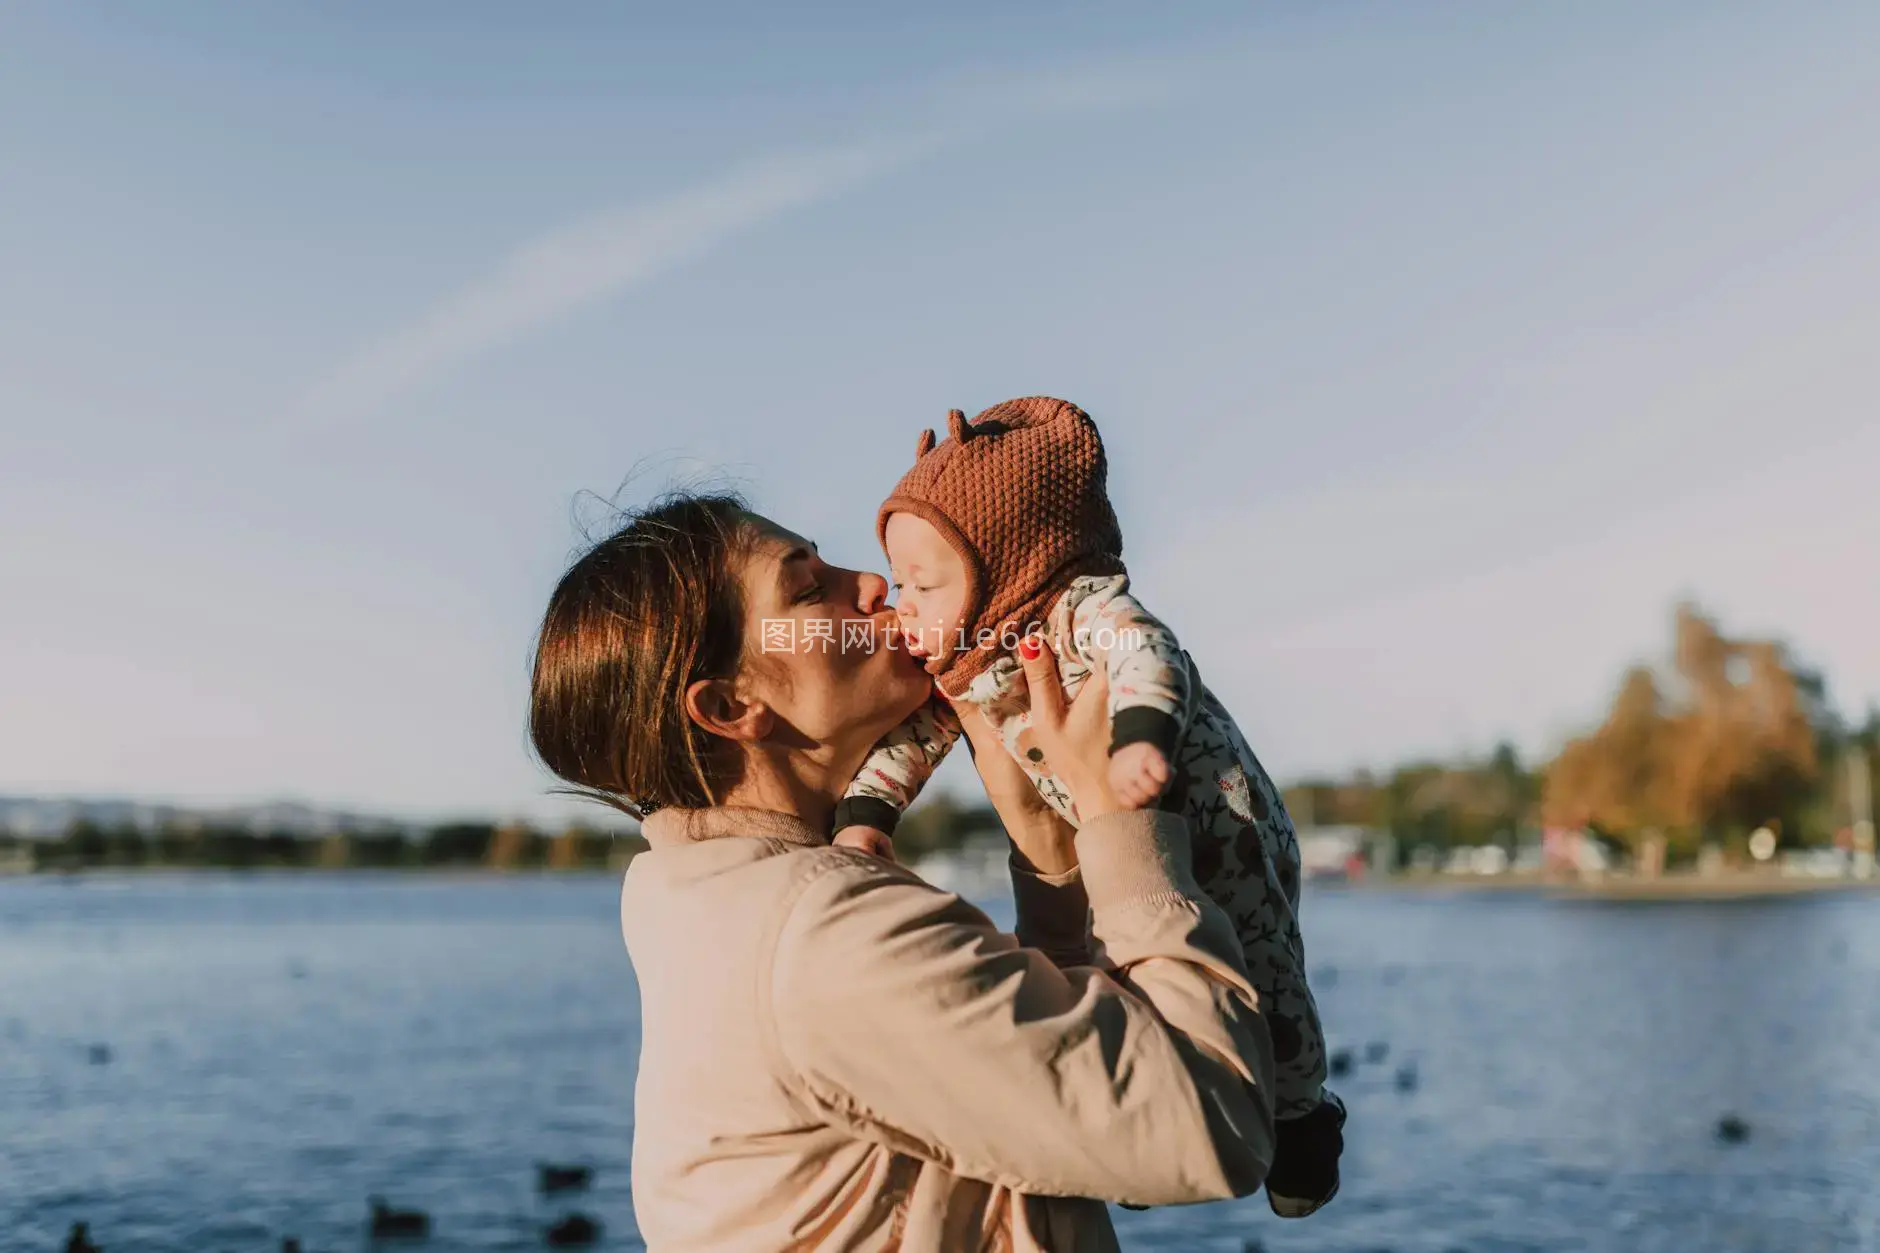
[{"x": 283, "y": 1047}]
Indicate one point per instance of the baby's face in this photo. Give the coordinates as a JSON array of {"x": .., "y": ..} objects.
[{"x": 930, "y": 585}]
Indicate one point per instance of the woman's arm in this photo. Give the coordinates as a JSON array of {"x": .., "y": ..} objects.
[
  {"x": 908, "y": 1017},
  {"x": 904, "y": 1015}
]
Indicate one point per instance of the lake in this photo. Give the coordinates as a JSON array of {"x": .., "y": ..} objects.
[{"x": 282, "y": 1047}]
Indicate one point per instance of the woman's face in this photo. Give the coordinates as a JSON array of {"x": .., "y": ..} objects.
[{"x": 822, "y": 645}]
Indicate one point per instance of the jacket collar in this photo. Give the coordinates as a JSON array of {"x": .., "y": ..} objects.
[{"x": 669, "y": 828}]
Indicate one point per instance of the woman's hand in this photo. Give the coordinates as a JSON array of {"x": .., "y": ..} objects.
[
  {"x": 1044, "y": 842},
  {"x": 1074, "y": 740}
]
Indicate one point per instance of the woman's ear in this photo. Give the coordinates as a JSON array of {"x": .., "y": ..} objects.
[{"x": 716, "y": 705}]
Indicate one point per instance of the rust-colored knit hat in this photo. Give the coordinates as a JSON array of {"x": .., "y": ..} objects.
[{"x": 1020, "y": 494}]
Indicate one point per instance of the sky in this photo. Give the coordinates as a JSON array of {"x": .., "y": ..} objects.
[{"x": 1439, "y": 349}]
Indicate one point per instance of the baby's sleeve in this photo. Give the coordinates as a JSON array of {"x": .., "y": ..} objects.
[
  {"x": 898, "y": 767},
  {"x": 1150, "y": 684}
]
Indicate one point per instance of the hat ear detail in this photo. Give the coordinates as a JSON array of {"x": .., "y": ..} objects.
[
  {"x": 924, "y": 445},
  {"x": 957, "y": 428}
]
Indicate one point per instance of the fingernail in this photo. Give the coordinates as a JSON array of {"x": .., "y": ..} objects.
[{"x": 1029, "y": 647}]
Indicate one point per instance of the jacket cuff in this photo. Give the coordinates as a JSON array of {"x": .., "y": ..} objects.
[
  {"x": 1053, "y": 913},
  {"x": 1135, "y": 854},
  {"x": 865, "y": 811},
  {"x": 1145, "y": 724}
]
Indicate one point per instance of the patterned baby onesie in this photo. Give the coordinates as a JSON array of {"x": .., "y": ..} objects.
[{"x": 1246, "y": 853}]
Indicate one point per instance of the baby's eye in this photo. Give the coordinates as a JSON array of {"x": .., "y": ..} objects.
[{"x": 810, "y": 595}]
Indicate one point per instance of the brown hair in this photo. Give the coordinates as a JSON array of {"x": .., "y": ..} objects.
[{"x": 638, "y": 618}]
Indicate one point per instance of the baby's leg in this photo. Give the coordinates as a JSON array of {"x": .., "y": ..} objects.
[{"x": 1246, "y": 858}]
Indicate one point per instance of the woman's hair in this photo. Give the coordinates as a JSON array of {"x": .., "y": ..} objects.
[{"x": 642, "y": 615}]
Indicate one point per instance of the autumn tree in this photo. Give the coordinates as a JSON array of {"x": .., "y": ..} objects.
[
  {"x": 1746, "y": 752},
  {"x": 1728, "y": 744},
  {"x": 1615, "y": 780},
  {"x": 514, "y": 845}
]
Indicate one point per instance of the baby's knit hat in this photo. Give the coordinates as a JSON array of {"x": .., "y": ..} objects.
[{"x": 1020, "y": 494}]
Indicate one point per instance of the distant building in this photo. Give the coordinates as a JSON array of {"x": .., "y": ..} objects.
[
  {"x": 1569, "y": 850},
  {"x": 1333, "y": 852}
]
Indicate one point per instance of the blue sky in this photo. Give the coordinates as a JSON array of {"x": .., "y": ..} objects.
[{"x": 1439, "y": 348}]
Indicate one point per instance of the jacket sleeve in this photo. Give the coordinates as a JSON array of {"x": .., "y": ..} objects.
[
  {"x": 1150, "y": 687},
  {"x": 904, "y": 1015},
  {"x": 1053, "y": 914},
  {"x": 898, "y": 767}
]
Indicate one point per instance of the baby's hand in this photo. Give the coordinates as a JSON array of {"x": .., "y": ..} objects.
[
  {"x": 1138, "y": 773},
  {"x": 867, "y": 839}
]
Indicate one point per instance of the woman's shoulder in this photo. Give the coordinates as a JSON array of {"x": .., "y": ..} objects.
[
  {"x": 757, "y": 877},
  {"x": 836, "y": 874},
  {"x": 848, "y": 899}
]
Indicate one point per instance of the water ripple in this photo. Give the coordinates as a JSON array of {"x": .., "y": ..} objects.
[{"x": 284, "y": 1047}]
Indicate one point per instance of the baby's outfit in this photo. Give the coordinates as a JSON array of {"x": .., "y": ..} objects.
[
  {"x": 1019, "y": 493},
  {"x": 1246, "y": 854}
]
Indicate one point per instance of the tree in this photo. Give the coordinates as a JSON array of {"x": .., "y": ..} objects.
[
  {"x": 1733, "y": 746},
  {"x": 1745, "y": 750},
  {"x": 1615, "y": 779},
  {"x": 579, "y": 846},
  {"x": 1517, "y": 790},
  {"x": 941, "y": 822},
  {"x": 179, "y": 843},
  {"x": 457, "y": 843},
  {"x": 513, "y": 846},
  {"x": 381, "y": 850},
  {"x": 85, "y": 843},
  {"x": 125, "y": 846}
]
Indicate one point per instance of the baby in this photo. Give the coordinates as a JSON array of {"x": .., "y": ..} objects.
[{"x": 1004, "y": 533}]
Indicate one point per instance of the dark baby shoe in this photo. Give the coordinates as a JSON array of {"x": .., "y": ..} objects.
[{"x": 1305, "y": 1160}]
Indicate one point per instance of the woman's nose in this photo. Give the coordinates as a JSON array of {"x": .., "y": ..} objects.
[{"x": 871, "y": 593}]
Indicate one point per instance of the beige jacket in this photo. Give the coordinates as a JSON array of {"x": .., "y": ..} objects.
[{"x": 838, "y": 1056}]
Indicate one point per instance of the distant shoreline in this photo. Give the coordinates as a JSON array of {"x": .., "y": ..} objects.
[
  {"x": 1672, "y": 887},
  {"x": 285, "y": 872},
  {"x": 1668, "y": 888}
]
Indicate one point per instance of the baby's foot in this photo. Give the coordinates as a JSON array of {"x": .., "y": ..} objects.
[
  {"x": 1304, "y": 1176},
  {"x": 1138, "y": 773},
  {"x": 867, "y": 840}
]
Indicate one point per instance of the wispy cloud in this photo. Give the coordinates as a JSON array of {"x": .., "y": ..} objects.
[
  {"x": 583, "y": 264},
  {"x": 587, "y": 262}
]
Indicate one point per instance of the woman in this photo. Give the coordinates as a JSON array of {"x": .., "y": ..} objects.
[{"x": 836, "y": 1055}]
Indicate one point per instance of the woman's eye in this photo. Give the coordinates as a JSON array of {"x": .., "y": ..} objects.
[{"x": 810, "y": 595}]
